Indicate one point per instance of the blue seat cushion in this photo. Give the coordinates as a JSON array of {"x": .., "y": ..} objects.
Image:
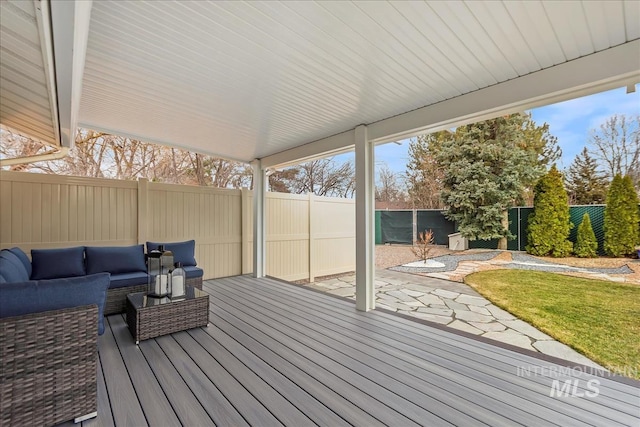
[
  {"x": 115, "y": 259},
  {"x": 183, "y": 252},
  {"x": 34, "y": 296},
  {"x": 23, "y": 257},
  {"x": 11, "y": 268},
  {"x": 193, "y": 272},
  {"x": 128, "y": 279},
  {"x": 57, "y": 263}
]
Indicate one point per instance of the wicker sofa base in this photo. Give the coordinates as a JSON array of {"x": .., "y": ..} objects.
[
  {"x": 117, "y": 297},
  {"x": 49, "y": 366}
]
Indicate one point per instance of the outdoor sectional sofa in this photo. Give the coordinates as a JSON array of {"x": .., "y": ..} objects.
[
  {"x": 126, "y": 265},
  {"x": 48, "y": 344},
  {"x": 50, "y": 310}
]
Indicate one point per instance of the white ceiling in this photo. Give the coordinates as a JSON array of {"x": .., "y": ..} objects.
[
  {"x": 246, "y": 80},
  {"x": 26, "y": 101}
]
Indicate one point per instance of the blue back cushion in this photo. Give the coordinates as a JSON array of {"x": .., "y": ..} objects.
[
  {"x": 11, "y": 268},
  {"x": 115, "y": 259},
  {"x": 33, "y": 296},
  {"x": 23, "y": 257},
  {"x": 183, "y": 252},
  {"x": 57, "y": 263}
]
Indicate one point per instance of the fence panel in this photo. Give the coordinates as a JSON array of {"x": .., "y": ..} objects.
[
  {"x": 47, "y": 211},
  {"x": 436, "y": 221},
  {"x": 332, "y": 236},
  {"x": 210, "y": 216},
  {"x": 396, "y": 226}
]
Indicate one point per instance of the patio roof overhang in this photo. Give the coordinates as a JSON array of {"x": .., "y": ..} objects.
[
  {"x": 280, "y": 82},
  {"x": 247, "y": 80}
]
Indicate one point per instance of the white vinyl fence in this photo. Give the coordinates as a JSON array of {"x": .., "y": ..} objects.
[{"x": 307, "y": 236}]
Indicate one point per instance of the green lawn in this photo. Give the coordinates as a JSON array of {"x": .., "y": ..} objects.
[{"x": 599, "y": 319}]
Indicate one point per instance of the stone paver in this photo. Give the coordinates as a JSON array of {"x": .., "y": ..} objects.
[
  {"x": 499, "y": 313},
  {"x": 432, "y": 317},
  {"x": 525, "y": 328},
  {"x": 429, "y": 299},
  {"x": 479, "y": 310},
  {"x": 455, "y": 305},
  {"x": 470, "y": 316},
  {"x": 557, "y": 349},
  {"x": 511, "y": 337},
  {"x": 438, "y": 311},
  {"x": 469, "y": 300},
  {"x": 463, "y": 326},
  {"x": 446, "y": 294},
  {"x": 489, "y": 327}
]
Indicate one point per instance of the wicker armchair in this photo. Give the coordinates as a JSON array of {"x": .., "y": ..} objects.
[{"x": 48, "y": 367}]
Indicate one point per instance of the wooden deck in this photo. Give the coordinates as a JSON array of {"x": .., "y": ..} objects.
[{"x": 278, "y": 354}]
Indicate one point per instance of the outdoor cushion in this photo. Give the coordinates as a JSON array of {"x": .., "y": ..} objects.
[
  {"x": 192, "y": 272},
  {"x": 33, "y": 296},
  {"x": 23, "y": 257},
  {"x": 11, "y": 268},
  {"x": 115, "y": 259},
  {"x": 128, "y": 279},
  {"x": 182, "y": 251},
  {"x": 57, "y": 263}
]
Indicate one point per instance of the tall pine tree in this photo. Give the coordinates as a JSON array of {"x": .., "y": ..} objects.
[
  {"x": 550, "y": 224},
  {"x": 486, "y": 168},
  {"x": 621, "y": 218},
  {"x": 585, "y": 185}
]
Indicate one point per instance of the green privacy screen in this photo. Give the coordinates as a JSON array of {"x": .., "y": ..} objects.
[
  {"x": 519, "y": 219},
  {"x": 397, "y": 226},
  {"x": 435, "y": 220}
]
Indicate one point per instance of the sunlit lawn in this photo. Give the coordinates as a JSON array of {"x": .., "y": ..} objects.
[{"x": 600, "y": 319}]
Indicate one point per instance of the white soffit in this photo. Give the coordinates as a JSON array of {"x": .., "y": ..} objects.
[
  {"x": 27, "y": 90},
  {"x": 245, "y": 80}
]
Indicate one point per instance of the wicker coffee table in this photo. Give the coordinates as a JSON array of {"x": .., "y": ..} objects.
[{"x": 149, "y": 317}]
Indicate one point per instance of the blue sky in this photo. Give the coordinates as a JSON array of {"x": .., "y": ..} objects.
[{"x": 569, "y": 121}]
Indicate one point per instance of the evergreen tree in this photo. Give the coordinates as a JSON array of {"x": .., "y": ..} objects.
[
  {"x": 586, "y": 244},
  {"x": 585, "y": 184},
  {"x": 424, "y": 175},
  {"x": 487, "y": 166},
  {"x": 550, "y": 224},
  {"x": 621, "y": 218}
]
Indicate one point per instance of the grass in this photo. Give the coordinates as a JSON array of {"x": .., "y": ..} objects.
[{"x": 599, "y": 319}]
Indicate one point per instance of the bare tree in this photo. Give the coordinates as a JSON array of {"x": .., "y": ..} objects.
[
  {"x": 101, "y": 155},
  {"x": 616, "y": 144},
  {"x": 322, "y": 177},
  {"x": 389, "y": 189}
]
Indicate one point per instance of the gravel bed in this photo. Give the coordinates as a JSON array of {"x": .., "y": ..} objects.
[
  {"x": 553, "y": 267},
  {"x": 450, "y": 262}
]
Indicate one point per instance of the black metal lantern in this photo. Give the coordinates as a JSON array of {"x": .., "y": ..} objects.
[{"x": 160, "y": 264}]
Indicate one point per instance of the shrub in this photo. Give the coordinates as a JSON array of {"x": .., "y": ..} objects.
[
  {"x": 586, "y": 244},
  {"x": 422, "y": 248},
  {"x": 621, "y": 218},
  {"x": 549, "y": 223}
]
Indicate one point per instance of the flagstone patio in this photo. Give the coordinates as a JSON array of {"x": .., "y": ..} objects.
[{"x": 455, "y": 305}]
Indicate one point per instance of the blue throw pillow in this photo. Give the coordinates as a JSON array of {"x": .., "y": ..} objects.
[
  {"x": 11, "y": 268},
  {"x": 23, "y": 257},
  {"x": 57, "y": 263},
  {"x": 33, "y": 296},
  {"x": 115, "y": 259},
  {"x": 183, "y": 252}
]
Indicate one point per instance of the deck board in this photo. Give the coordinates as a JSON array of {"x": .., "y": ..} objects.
[
  {"x": 277, "y": 354},
  {"x": 472, "y": 379}
]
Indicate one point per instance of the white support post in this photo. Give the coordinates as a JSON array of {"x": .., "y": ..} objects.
[
  {"x": 365, "y": 221},
  {"x": 259, "y": 190}
]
